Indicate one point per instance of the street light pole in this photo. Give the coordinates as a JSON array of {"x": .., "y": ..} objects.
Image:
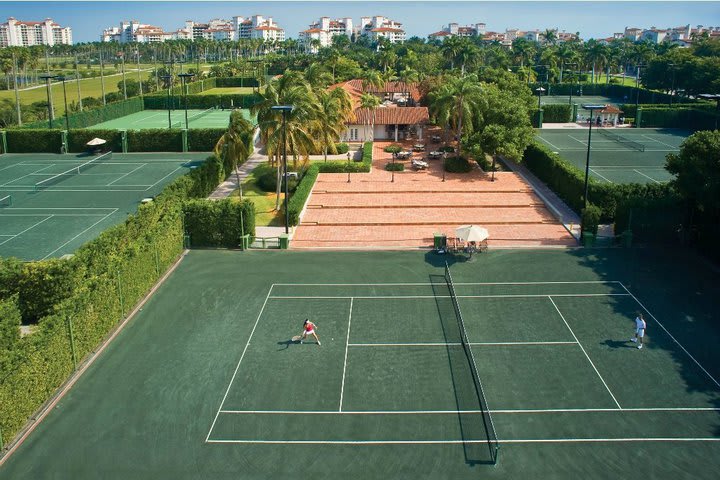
[
  {"x": 285, "y": 109},
  {"x": 392, "y": 173},
  {"x": 168, "y": 79},
  {"x": 67, "y": 118},
  {"x": 592, "y": 108},
  {"x": 444, "y": 164},
  {"x": 348, "y": 166},
  {"x": 185, "y": 77},
  {"x": 47, "y": 77}
]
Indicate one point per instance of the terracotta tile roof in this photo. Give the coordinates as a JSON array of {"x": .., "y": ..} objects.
[
  {"x": 386, "y": 29},
  {"x": 439, "y": 34},
  {"x": 312, "y": 30},
  {"x": 392, "y": 115},
  {"x": 265, "y": 27},
  {"x": 354, "y": 88},
  {"x": 611, "y": 109}
]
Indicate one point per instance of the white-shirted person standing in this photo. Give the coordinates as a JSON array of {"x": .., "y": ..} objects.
[{"x": 640, "y": 326}]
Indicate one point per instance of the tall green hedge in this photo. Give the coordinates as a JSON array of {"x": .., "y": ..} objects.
[
  {"x": 557, "y": 113},
  {"x": 90, "y": 117},
  {"x": 219, "y": 223},
  {"x": 651, "y": 220},
  {"x": 154, "y": 140},
  {"x": 94, "y": 290},
  {"x": 568, "y": 182},
  {"x": 34, "y": 141},
  {"x": 204, "y": 139},
  {"x": 77, "y": 139},
  {"x": 227, "y": 82}
]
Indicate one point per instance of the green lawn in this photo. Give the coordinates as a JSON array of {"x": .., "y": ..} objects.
[{"x": 265, "y": 213}]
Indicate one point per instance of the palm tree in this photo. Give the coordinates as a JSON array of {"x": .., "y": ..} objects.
[
  {"x": 236, "y": 143},
  {"x": 370, "y": 102},
  {"x": 450, "y": 48},
  {"x": 330, "y": 120},
  {"x": 457, "y": 100},
  {"x": 595, "y": 55}
]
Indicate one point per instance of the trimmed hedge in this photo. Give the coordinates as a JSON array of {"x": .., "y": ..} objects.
[
  {"x": 394, "y": 148},
  {"x": 94, "y": 290},
  {"x": 77, "y": 139},
  {"x": 590, "y": 219},
  {"x": 219, "y": 223},
  {"x": 395, "y": 167},
  {"x": 154, "y": 140},
  {"x": 34, "y": 141},
  {"x": 457, "y": 165},
  {"x": 159, "y": 102},
  {"x": 204, "y": 139},
  {"x": 557, "y": 113},
  {"x": 227, "y": 82},
  {"x": 90, "y": 117},
  {"x": 654, "y": 220}
]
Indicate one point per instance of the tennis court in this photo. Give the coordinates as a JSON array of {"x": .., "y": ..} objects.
[
  {"x": 146, "y": 119},
  {"x": 205, "y": 383},
  {"x": 618, "y": 155},
  {"x": 582, "y": 99},
  {"x": 55, "y": 203}
]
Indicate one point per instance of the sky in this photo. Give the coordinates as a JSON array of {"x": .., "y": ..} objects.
[{"x": 593, "y": 19}]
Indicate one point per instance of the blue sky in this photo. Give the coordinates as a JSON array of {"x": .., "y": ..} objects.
[{"x": 591, "y": 19}]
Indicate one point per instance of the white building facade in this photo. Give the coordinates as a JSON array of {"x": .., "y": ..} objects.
[
  {"x": 378, "y": 27},
  {"x": 16, "y": 33},
  {"x": 455, "y": 30},
  {"x": 321, "y": 33}
]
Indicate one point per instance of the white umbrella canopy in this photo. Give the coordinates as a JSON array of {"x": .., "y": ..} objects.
[
  {"x": 471, "y": 233},
  {"x": 95, "y": 142}
]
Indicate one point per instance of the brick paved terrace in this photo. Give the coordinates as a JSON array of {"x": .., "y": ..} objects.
[{"x": 373, "y": 212}]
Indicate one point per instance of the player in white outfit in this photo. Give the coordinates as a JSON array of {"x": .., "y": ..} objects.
[{"x": 640, "y": 327}]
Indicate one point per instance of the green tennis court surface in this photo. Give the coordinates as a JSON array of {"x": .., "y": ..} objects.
[
  {"x": 58, "y": 202},
  {"x": 205, "y": 382},
  {"x": 208, "y": 118},
  {"x": 618, "y": 161},
  {"x": 582, "y": 99}
]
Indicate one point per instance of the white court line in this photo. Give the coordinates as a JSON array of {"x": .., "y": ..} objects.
[
  {"x": 163, "y": 178},
  {"x": 131, "y": 171},
  {"x": 29, "y": 174},
  {"x": 238, "y": 364},
  {"x": 456, "y": 344},
  {"x": 347, "y": 343},
  {"x": 662, "y": 143},
  {"x": 549, "y": 143},
  {"x": 63, "y": 208},
  {"x": 27, "y": 188},
  {"x": 670, "y": 335},
  {"x": 456, "y": 412},
  {"x": 29, "y": 228},
  {"x": 431, "y": 284},
  {"x": 54, "y": 214},
  {"x": 638, "y": 171},
  {"x": 601, "y": 176},
  {"x": 626, "y": 167},
  {"x": 76, "y": 236},
  {"x": 534, "y": 295},
  {"x": 583, "y": 349},
  {"x": 455, "y": 442},
  {"x": 581, "y": 142}
]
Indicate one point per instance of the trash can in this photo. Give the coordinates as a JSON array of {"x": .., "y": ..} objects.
[
  {"x": 588, "y": 239},
  {"x": 439, "y": 241},
  {"x": 245, "y": 242},
  {"x": 284, "y": 241}
]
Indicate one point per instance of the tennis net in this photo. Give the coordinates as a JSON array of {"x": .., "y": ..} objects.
[
  {"x": 622, "y": 140},
  {"x": 193, "y": 117},
  {"x": 73, "y": 171},
  {"x": 487, "y": 418},
  {"x": 6, "y": 201}
]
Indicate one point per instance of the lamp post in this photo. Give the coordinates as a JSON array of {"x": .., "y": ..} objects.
[
  {"x": 285, "y": 109},
  {"x": 637, "y": 87},
  {"x": 392, "y": 172},
  {"x": 51, "y": 114},
  {"x": 592, "y": 108},
  {"x": 185, "y": 77},
  {"x": 67, "y": 118},
  {"x": 348, "y": 166},
  {"x": 168, "y": 80},
  {"x": 672, "y": 88},
  {"x": 572, "y": 79},
  {"x": 444, "y": 164},
  {"x": 539, "y": 92}
]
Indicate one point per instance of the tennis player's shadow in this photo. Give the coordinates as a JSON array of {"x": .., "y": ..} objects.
[
  {"x": 287, "y": 344},
  {"x": 618, "y": 344}
]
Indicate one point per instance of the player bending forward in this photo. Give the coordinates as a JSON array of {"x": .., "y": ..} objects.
[
  {"x": 640, "y": 327},
  {"x": 309, "y": 329}
]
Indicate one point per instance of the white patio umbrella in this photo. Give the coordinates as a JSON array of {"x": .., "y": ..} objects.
[
  {"x": 471, "y": 233},
  {"x": 95, "y": 142}
]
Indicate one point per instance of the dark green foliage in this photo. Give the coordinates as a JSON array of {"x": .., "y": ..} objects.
[
  {"x": 95, "y": 289},
  {"x": 394, "y": 148},
  {"x": 590, "y": 219},
  {"x": 268, "y": 182},
  {"x": 154, "y": 140},
  {"x": 457, "y": 165},
  {"x": 218, "y": 223},
  {"x": 159, "y": 101},
  {"x": 446, "y": 148},
  {"x": 93, "y": 116},
  {"x": 77, "y": 139},
  {"x": 297, "y": 201},
  {"x": 557, "y": 113},
  {"x": 342, "y": 148},
  {"x": 652, "y": 220},
  {"x": 227, "y": 82},
  {"x": 396, "y": 167},
  {"x": 204, "y": 139},
  {"x": 34, "y": 141},
  {"x": 9, "y": 328}
]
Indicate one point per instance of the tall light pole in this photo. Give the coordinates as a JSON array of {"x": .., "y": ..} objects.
[
  {"x": 637, "y": 87},
  {"x": 592, "y": 108},
  {"x": 185, "y": 77},
  {"x": 672, "y": 88},
  {"x": 539, "y": 92},
  {"x": 572, "y": 79},
  {"x": 392, "y": 169},
  {"x": 168, "y": 79},
  {"x": 67, "y": 118},
  {"x": 51, "y": 112},
  {"x": 348, "y": 166},
  {"x": 285, "y": 109}
]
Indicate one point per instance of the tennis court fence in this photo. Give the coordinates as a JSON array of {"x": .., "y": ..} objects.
[
  {"x": 493, "y": 442},
  {"x": 55, "y": 179},
  {"x": 622, "y": 140}
]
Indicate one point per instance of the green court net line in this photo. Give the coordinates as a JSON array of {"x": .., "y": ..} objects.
[
  {"x": 6, "y": 201},
  {"x": 194, "y": 117},
  {"x": 487, "y": 418},
  {"x": 622, "y": 140},
  {"x": 73, "y": 171}
]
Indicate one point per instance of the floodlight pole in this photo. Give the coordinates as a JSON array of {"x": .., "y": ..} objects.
[
  {"x": 592, "y": 108},
  {"x": 572, "y": 80},
  {"x": 185, "y": 77},
  {"x": 47, "y": 77},
  {"x": 348, "y": 166},
  {"x": 285, "y": 109},
  {"x": 168, "y": 79},
  {"x": 67, "y": 118}
]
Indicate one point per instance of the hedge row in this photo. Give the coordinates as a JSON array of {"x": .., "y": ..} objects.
[
  {"x": 219, "y": 223},
  {"x": 150, "y": 140},
  {"x": 94, "y": 290},
  {"x": 302, "y": 192},
  {"x": 90, "y": 117},
  {"x": 568, "y": 182},
  {"x": 557, "y": 113},
  {"x": 228, "y": 82},
  {"x": 160, "y": 102}
]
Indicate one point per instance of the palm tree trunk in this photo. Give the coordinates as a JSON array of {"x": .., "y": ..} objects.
[
  {"x": 77, "y": 82},
  {"x": 17, "y": 93}
]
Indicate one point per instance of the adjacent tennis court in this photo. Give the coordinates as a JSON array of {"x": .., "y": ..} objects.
[
  {"x": 52, "y": 204},
  {"x": 146, "y": 119},
  {"x": 582, "y": 99},
  {"x": 206, "y": 382},
  {"x": 618, "y": 155}
]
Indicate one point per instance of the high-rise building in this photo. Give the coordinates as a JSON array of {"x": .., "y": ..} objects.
[
  {"x": 324, "y": 30},
  {"x": 16, "y": 33},
  {"x": 378, "y": 27}
]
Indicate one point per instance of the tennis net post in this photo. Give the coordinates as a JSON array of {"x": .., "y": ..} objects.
[{"x": 493, "y": 442}]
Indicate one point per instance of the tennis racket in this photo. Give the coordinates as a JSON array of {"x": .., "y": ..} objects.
[{"x": 296, "y": 338}]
